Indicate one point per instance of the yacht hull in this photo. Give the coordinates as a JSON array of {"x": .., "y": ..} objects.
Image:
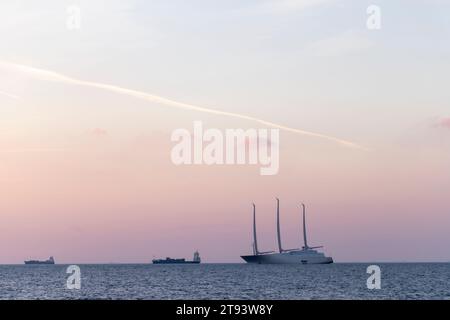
[{"x": 287, "y": 258}]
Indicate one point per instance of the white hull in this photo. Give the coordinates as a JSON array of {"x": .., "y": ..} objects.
[{"x": 293, "y": 257}]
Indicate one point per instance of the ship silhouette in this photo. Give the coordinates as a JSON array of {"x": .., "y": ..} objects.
[
  {"x": 195, "y": 260},
  {"x": 305, "y": 255},
  {"x": 50, "y": 260}
]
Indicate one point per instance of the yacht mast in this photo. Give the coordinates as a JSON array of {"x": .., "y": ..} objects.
[
  {"x": 255, "y": 243},
  {"x": 280, "y": 249},
  {"x": 304, "y": 228}
]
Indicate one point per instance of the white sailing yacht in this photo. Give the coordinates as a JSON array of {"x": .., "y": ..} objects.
[{"x": 305, "y": 255}]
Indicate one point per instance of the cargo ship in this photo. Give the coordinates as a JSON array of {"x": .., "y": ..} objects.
[
  {"x": 49, "y": 261},
  {"x": 168, "y": 260}
]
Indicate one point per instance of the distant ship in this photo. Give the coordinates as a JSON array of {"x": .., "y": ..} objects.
[
  {"x": 306, "y": 255},
  {"x": 49, "y": 261},
  {"x": 167, "y": 260}
]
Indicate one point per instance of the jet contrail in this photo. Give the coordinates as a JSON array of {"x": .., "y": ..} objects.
[
  {"x": 53, "y": 76},
  {"x": 9, "y": 95}
]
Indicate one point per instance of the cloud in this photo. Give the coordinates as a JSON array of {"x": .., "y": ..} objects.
[
  {"x": 443, "y": 123},
  {"x": 33, "y": 150},
  {"x": 9, "y": 95},
  {"x": 53, "y": 76},
  {"x": 99, "y": 132},
  {"x": 349, "y": 42},
  {"x": 291, "y": 5}
]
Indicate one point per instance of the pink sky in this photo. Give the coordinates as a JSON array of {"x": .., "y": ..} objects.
[{"x": 115, "y": 197}]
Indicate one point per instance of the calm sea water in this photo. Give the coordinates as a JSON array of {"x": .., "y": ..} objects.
[{"x": 227, "y": 281}]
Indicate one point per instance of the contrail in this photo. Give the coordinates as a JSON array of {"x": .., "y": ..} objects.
[
  {"x": 9, "y": 95},
  {"x": 53, "y": 76}
]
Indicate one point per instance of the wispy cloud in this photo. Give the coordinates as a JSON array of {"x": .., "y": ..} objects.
[
  {"x": 443, "y": 123},
  {"x": 98, "y": 132},
  {"x": 349, "y": 42},
  {"x": 53, "y": 76},
  {"x": 9, "y": 95},
  {"x": 33, "y": 150},
  {"x": 280, "y": 6}
]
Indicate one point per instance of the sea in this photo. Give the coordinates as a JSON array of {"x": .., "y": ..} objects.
[{"x": 225, "y": 281}]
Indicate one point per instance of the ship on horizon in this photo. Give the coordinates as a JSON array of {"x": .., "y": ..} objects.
[
  {"x": 195, "y": 260},
  {"x": 50, "y": 260},
  {"x": 305, "y": 255}
]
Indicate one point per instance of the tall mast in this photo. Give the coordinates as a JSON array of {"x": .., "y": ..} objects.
[
  {"x": 255, "y": 243},
  {"x": 280, "y": 249},
  {"x": 304, "y": 228}
]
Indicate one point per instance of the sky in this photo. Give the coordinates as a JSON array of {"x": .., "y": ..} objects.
[{"x": 86, "y": 117}]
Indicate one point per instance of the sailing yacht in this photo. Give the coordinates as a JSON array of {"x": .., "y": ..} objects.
[{"x": 305, "y": 255}]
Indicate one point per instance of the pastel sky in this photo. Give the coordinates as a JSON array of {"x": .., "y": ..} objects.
[{"x": 86, "y": 174}]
